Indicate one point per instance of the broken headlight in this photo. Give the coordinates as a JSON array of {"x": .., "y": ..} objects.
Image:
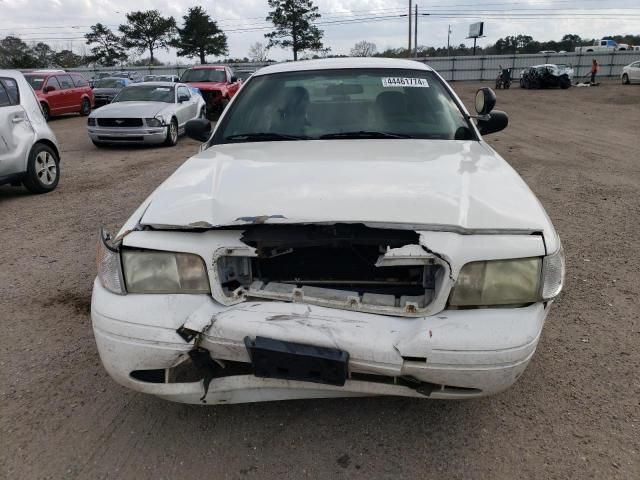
[
  {"x": 153, "y": 122},
  {"x": 150, "y": 271},
  {"x": 498, "y": 282},
  {"x": 109, "y": 267}
]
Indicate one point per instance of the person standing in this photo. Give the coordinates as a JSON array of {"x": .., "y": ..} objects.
[{"x": 594, "y": 71}]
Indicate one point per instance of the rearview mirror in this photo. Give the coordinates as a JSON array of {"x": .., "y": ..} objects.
[
  {"x": 485, "y": 101},
  {"x": 495, "y": 122},
  {"x": 199, "y": 129}
]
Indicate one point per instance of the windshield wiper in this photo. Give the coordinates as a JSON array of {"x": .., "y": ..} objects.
[
  {"x": 364, "y": 134},
  {"x": 263, "y": 136}
]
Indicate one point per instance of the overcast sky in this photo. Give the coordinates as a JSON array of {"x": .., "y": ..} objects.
[{"x": 63, "y": 22}]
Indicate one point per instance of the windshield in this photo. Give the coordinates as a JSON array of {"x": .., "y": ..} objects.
[
  {"x": 110, "y": 83},
  {"x": 36, "y": 81},
  {"x": 146, "y": 94},
  {"x": 344, "y": 104},
  {"x": 204, "y": 75}
]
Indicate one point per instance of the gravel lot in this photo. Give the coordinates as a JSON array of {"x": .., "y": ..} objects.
[{"x": 575, "y": 413}]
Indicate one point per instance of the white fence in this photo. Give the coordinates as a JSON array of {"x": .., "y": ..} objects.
[{"x": 481, "y": 67}]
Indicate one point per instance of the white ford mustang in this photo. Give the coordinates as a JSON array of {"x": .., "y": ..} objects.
[{"x": 344, "y": 231}]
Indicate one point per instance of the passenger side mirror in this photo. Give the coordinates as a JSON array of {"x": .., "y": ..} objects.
[
  {"x": 494, "y": 122},
  {"x": 199, "y": 129},
  {"x": 183, "y": 98},
  {"x": 49, "y": 88},
  {"x": 485, "y": 101},
  {"x": 234, "y": 79}
]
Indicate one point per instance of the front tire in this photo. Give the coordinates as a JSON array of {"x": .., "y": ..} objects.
[
  {"x": 625, "y": 79},
  {"x": 85, "y": 107},
  {"x": 565, "y": 83},
  {"x": 43, "y": 169},
  {"x": 172, "y": 133}
]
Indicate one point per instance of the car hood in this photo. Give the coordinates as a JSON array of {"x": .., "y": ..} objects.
[
  {"x": 207, "y": 85},
  {"x": 460, "y": 186},
  {"x": 130, "y": 109},
  {"x": 106, "y": 91}
]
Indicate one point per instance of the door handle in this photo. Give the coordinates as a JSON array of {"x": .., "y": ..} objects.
[{"x": 17, "y": 119}]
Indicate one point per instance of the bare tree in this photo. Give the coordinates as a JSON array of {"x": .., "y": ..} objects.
[
  {"x": 364, "y": 49},
  {"x": 258, "y": 52}
]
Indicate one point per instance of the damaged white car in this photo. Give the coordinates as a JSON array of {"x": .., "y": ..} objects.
[{"x": 344, "y": 231}]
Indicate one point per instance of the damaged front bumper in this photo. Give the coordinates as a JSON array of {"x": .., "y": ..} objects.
[{"x": 454, "y": 354}]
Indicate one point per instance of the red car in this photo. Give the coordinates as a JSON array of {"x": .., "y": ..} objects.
[
  {"x": 217, "y": 83},
  {"x": 61, "y": 92}
]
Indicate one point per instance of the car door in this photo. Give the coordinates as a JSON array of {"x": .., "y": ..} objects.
[
  {"x": 16, "y": 134},
  {"x": 186, "y": 109},
  {"x": 634, "y": 71},
  {"x": 55, "y": 97},
  {"x": 72, "y": 96}
]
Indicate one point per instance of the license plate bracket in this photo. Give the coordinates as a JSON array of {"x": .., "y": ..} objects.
[{"x": 273, "y": 358}]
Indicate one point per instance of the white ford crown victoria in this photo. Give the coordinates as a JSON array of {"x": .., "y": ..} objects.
[{"x": 344, "y": 231}]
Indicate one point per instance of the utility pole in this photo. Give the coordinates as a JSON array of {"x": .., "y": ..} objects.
[
  {"x": 448, "y": 37},
  {"x": 415, "y": 33},
  {"x": 409, "y": 45}
]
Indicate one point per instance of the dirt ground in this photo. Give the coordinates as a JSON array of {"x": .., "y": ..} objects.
[{"x": 575, "y": 413}]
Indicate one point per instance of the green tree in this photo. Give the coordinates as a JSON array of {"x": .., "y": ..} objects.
[
  {"x": 108, "y": 49},
  {"x": 43, "y": 54},
  {"x": 14, "y": 53},
  {"x": 67, "y": 59},
  {"x": 200, "y": 36},
  {"x": 148, "y": 30},
  {"x": 293, "y": 22}
]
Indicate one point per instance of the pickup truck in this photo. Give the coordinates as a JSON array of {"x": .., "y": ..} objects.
[
  {"x": 606, "y": 44},
  {"x": 218, "y": 84}
]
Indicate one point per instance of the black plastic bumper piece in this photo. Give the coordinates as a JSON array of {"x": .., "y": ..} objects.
[{"x": 294, "y": 361}]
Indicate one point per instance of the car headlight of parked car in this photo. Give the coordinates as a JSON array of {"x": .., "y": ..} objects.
[
  {"x": 91, "y": 122},
  {"x": 149, "y": 271},
  {"x": 153, "y": 122},
  {"x": 509, "y": 282}
]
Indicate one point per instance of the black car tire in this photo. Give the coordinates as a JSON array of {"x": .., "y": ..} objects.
[
  {"x": 565, "y": 82},
  {"x": 45, "y": 111},
  {"x": 625, "y": 79},
  {"x": 172, "y": 133},
  {"x": 85, "y": 107},
  {"x": 43, "y": 169}
]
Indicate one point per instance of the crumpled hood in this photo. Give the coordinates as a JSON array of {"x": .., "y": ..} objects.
[
  {"x": 130, "y": 110},
  {"x": 456, "y": 185}
]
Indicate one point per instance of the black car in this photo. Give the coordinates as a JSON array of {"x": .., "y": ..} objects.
[{"x": 545, "y": 76}]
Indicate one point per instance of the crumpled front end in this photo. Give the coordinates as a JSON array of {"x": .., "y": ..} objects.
[{"x": 318, "y": 311}]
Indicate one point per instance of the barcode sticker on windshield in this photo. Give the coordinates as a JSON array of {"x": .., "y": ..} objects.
[{"x": 405, "y": 82}]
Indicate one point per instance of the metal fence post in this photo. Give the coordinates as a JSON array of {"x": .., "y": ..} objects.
[
  {"x": 482, "y": 68},
  {"x": 453, "y": 68},
  {"x": 613, "y": 54}
]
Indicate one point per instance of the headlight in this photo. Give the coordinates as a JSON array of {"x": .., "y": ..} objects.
[
  {"x": 153, "y": 122},
  {"x": 553, "y": 274},
  {"x": 109, "y": 267},
  {"x": 91, "y": 122},
  {"x": 164, "y": 272},
  {"x": 498, "y": 282}
]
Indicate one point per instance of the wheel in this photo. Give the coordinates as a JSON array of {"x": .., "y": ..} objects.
[
  {"x": 98, "y": 144},
  {"x": 521, "y": 82},
  {"x": 45, "y": 111},
  {"x": 203, "y": 112},
  {"x": 507, "y": 85},
  {"x": 527, "y": 83},
  {"x": 43, "y": 169},
  {"x": 85, "y": 107},
  {"x": 172, "y": 133},
  {"x": 565, "y": 82},
  {"x": 625, "y": 79}
]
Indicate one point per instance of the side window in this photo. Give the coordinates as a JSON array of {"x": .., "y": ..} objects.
[
  {"x": 10, "y": 89},
  {"x": 79, "y": 80},
  {"x": 53, "y": 82},
  {"x": 4, "y": 96},
  {"x": 65, "y": 82},
  {"x": 183, "y": 91}
]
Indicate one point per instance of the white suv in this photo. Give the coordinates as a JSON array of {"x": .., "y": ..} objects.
[{"x": 29, "y": 152}]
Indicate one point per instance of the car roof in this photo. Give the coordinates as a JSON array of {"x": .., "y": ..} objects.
[
  {"x": 342, "y": 63},
  {"x": 207, "y": 67},
  {"x": 157, "y": 84}
]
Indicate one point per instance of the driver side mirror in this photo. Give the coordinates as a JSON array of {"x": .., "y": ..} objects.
[
  {"x": 199, "y": 129},
  {"x": 183, "y": 98},
  {"x": 489, "y": 121},
  {"x": 485, "y": 101},
  {"x": 234, "y": 79},
  {"x": 49, "y": 88}
]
